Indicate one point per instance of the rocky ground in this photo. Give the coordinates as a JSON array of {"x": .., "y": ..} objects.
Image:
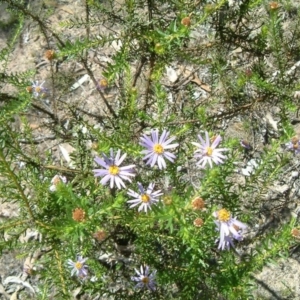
[{"x": 276, "y": 281}]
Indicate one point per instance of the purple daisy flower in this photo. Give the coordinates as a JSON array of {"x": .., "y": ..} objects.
[
  {"x": 144, "y": 278},
  {"x": 102, "y": 84},
  {"x": 112, "y": 170},
  {"x": 208, "y": 153},
  {"x": 78, "y": 267},
  {"x": 38, "y": 90},
  {"x": 294, "y": 145},
  {"x": 144, "y": 198},
  {"x": 156, "y": 148},
  {"x": 229, "y": 228},
  {"x": 245, "y": 145}
]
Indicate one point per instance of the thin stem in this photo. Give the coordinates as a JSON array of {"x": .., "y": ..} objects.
[
  {"x": 60, "y": 272},
  {"x": 17, "y": 184}
]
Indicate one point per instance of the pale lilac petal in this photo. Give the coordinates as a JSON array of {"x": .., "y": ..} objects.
[
  {"x": 163, "y": 137},
  {"x": 100, "y": 172},
  {"x": 112, "y": 182},
  {"x": 216, "y": 142},
  {"x": 105, "y": 179},
  {"x": 119, "y": 161},
  {"x": 100, "y": 162},
  {"x": 171, "y": 146},
  {"x": 154, "y": 134}
]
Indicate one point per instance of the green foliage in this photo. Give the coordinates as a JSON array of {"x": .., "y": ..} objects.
[{"x": 232, "y": 64}]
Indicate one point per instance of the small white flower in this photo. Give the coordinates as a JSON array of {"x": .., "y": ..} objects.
[{"x": 57, "y": 179}]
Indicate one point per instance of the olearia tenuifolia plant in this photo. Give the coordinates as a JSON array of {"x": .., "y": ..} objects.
[{"x": 142, "y": 145}]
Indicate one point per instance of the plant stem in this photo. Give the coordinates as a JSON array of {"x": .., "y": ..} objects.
[{"x": 14, "y": 178}]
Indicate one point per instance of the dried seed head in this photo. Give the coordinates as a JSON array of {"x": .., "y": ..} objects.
[
  {"x": 245, "y": 144},
  {"x": 213, "y": 138},
  {"x": 100, "y": 235},
  {"x": 294, "y": 140},
  {"x": 78, "y": 215},
  {"x": 50, "y": 54},
  {"x": 186, "y": 21},
  {"x": 273, "y": 5},
  {"x": 198, "y": 203},
  {"x": 29, "y": 270},
  {"x": 29, "y": 89},
  {"x": 248, "y": 72},
  {"x": 56, "y": 180},
  {"x": 198, "y": 222},
  {"x": 94, "y": 146},
  {"x": 295, "y": 233}
]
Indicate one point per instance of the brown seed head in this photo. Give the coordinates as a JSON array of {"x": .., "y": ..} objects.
[
  {"x": 78, "y": 215},
  {"x": 100, "y": 235},
  {"x": 273, "y": 5},
  {"x": 50, "y": 54},
  {"x": 56, "y": 180},
  {"x": 198, "y": 222},
  {"x": 29, "y": 89},
  {"x": 294, "y": 140},
  {"x": 295, "y": 233},
  {"x": 186, "y": 21},
  {"x": 213, "y": 138},
  {"x": 248, "y": 72},
  {"x": 94, "y": 146},
  {"x": 198, "y": 203}
]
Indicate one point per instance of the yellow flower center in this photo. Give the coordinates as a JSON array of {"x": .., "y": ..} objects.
[
  {"x": 223, "y": 215},
  {"x": 113, "y": 170},
  {"x": 145, "y": 280},
  {"x": 145, "y": 198},
  {"x": 209, "y": 151},
  {"x": 157, "y": 148},
  {"x": 78, "y": 265},
  {"x": 38, "y": 89},
  {"x": 103, "y": 83}
]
